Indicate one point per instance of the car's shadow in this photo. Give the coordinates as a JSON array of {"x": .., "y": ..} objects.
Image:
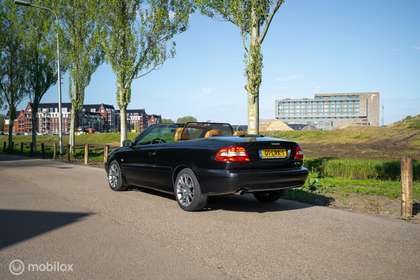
[
  {"x": 19, "y": 225},
  {"x": 247, "y": 203},
  {"x": 240, "y": 203},
  {"x": 416, "y": 208}
]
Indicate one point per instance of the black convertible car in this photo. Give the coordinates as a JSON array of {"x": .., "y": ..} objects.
[{"x": 197, "y": 160}]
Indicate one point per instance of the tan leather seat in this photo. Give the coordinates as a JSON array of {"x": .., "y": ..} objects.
[
  {"x": 239, "y": 133},
  {"x": 180, "y": 134},
  {"x": 212, "y": 132}
]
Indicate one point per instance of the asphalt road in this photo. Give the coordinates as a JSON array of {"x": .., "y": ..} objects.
[{"x": 54, "y": 213}]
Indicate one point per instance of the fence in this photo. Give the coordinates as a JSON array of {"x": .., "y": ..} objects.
[{"x": 87, "y": 153}]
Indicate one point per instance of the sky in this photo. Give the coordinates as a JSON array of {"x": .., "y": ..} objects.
[{"x": 312, "y": 47}]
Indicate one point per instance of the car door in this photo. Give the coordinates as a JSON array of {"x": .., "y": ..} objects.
[
  {"x": 139, "y": 165},
  {"x": 164, "y": 161}
]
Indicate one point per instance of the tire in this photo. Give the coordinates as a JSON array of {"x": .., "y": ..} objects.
[
  {"x": 188, "y": 192},
  {"x": 269, "y": 196},
  {"x": 115, "y": 177}
]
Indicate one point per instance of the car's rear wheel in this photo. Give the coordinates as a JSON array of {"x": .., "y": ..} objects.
[
  {"x": 269, "y": 196},
  {"x": 115, "y": 178},
  {"x": 188, "y": 192}
]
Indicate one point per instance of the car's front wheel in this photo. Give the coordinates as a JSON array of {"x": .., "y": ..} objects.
[
  {"x": 115, "y": 178},
  {"x": 188, "y": 192},
  {"x": 269, "y": 196}
]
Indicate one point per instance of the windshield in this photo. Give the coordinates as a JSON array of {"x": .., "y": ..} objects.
[
  {"x": 178, "y": 132},
  {"x": 157, "y": 134}
]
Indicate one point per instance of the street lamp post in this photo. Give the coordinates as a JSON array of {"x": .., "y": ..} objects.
[{"x": 29, "y": 3}]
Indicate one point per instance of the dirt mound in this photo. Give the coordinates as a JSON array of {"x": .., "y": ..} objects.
[
  {"x": 274, "y": 125},
  {"x": 408, "y": 122}
]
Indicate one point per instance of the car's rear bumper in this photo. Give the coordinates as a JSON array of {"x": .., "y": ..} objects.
[{"x": 219, "y": 181}]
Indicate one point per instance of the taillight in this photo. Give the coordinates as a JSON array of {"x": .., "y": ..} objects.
[
  {"x": 298, "y": 153},
  {"x": 232, "y": 154}
]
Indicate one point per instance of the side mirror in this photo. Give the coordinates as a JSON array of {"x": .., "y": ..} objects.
[{"x": 127, "y": 143}]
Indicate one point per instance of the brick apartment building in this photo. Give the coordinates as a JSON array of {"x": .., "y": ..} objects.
[
  {"x": 23, "y": 121},
  {"x": 98, "y": 117},
  {"x": 138, "y": 120}
]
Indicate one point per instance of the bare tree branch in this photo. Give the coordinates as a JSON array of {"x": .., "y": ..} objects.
[
  {"x": 244, "y": 41},
  {"x": 270, "y": 18},
  {"x": 147, "y": 72}
]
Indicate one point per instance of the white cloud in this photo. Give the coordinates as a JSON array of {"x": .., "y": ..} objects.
[{"x": 289, "y": 78}]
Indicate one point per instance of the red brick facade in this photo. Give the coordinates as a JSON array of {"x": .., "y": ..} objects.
[
  {"x": 100, "y": 117},
  {"x": 23, "y": 121}
]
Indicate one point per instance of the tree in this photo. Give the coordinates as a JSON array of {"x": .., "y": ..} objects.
[
  {"x": 82, "y": 50},
  {"x": 12, "y": 61},
  {"x": 1, "y": 120},
  {"x": 253, "y": 18},
  {"x": 41, "y": 71},
  {"x": 186, "y": 119},
  {"x": 135, "y": 40},
  {"x": 167, "y": 121}
]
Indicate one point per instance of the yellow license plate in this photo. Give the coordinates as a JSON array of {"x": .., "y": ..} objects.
[{"x": 273, "y": 153}]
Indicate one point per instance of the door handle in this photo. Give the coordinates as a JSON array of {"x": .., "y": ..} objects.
[{"x": 152, "y": 153}]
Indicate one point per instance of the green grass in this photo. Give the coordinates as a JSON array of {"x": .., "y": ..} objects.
[
  {"x": 389, "y": 189},
  {"x": 323, "y": 190},
  {"x": 48, "y": 151},
  {"x": 351, "y": 135},
  {"x": 409, "y": 122}
]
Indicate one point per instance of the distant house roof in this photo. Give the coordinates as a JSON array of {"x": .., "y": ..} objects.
[
  {"x": 96, "y": 106},
  {"x": 140, "y": 111},
  {"x": 68, "y": 106},
  {"x": 54, "y": 105},
  {"x": 133, "y": 111}
]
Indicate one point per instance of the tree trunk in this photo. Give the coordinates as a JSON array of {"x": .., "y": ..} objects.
[
  {"x": 123, "y": 124},
  {"x": 34, "y": 123},
  {"x": 253, "y": 114},
  {"x": 73, "y": 115},
  {"x": 10, "y": 137},
  {"x": 12, "y": 116},
  {"x": 123, "y": 98},
  {"x": 253, "y": 74}
]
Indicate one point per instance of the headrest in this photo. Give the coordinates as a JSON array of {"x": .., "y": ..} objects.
[
  {"x": 212, "y": 132},
  {"x": 239, "y": 133},
  {"x": 178, "y": 136}
]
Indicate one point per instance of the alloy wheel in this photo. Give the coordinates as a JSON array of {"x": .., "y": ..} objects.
[
  {"x": 114, "y": 175},
  {"x": 185, "y": 190}
]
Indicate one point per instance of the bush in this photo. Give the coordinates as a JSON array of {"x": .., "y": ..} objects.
[{"x": 359, "y": 168}]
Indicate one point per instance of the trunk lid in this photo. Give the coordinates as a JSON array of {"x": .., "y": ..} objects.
[{"x": 267, "y": 153}]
